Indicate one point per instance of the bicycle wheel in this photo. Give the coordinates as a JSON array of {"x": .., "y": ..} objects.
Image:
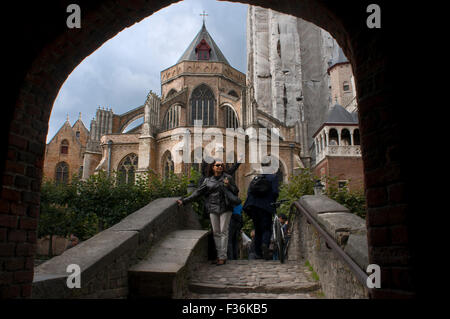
[{"x": 279, "y": 242}]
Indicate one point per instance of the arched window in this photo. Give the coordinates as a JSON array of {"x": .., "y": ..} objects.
[
  {"x": 172, "y": 92},
  {"x": 346, "y": 86},
  {"x": 64, "y": 147},
  {"x": 333, "y": 136},
  {"x": 172, "y": 117},
  {"x": 61, "y": 173},
  {"x": 127, "y": 169},
  {"x": 231, "y": 120},
  {"x": 202, "y": 105},
  {"x": 233, "y": 93},
  {"x": 167, "y": 164},
  {"x": 345, "y": 137}
]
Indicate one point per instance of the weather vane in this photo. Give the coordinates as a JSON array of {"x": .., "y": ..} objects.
[{"x": 204, "y": 14}]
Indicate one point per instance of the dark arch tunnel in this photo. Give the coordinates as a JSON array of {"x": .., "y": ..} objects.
[{"x": 43, "y": 52}]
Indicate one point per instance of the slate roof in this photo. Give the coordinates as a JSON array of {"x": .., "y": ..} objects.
[
  {"x": 341, "y": 58},
  {"x": 215, "y": 55},
  {"x": 338, "y": 114}
]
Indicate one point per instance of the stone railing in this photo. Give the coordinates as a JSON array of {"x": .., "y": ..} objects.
[
  {"x": 347, "y": 230},
  {"x": 104, "y": 259},
  {"x": 339, "y": 150}
]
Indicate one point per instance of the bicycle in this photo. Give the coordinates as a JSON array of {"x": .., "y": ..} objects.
[{"x": 281, "y": 238}]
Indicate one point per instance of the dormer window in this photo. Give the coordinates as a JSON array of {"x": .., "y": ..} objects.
[{"x": 203, "y": 50}]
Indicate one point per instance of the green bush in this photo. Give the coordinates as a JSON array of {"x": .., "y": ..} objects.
[{"x": 84, "y": 208}]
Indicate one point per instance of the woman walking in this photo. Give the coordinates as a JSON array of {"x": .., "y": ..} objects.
[{"x": 220, "y": 194}]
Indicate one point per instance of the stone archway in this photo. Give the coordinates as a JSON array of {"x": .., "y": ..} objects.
[{"x": 44, "y": 52}]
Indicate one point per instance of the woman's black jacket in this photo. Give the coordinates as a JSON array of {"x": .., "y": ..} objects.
[{"x": 212, "y": 189}]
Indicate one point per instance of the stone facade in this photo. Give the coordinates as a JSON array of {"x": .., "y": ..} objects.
[{"x": 67, "y": 146}]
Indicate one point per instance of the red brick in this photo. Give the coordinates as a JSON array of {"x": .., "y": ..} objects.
[
  {"x": 12, "y": 154},
  {"x": 8, "y": 180},
  {"x": 378, "y": 216},
  {"x": 14, "y": 167},
  {"x": 32, "y": 237},
  {"x": 29, "y": 263},
  {"x": 33, "y": 211},
  {"x": 9, "y": 292},
  {"x": 10, "y": 194},
  {"x": 17, "y": 236},
  {"x": 28, "y": 223},
  {"x": 402, "y": 279},
  {"x": 378, "y": 236},
  {"x": 25, "y": 276},
  {"x": 376, "y": 197},
  {"x": 9, "y": 221},
  {"x": 26, "y": 291},
  {"x": 15, "y": 264},
  {"x": 398, "y": 214},
  {"x": 18, "y": 209},
  {"x": 18, "y": 141},
  {"x": 7, "y": 249},
  {"x": 6, "y": 278},
  {"x": 25, "y": 249},
  {"x": 399, "y": 235},
  {"x": 396, "y": 193},
  {"x": 4, "y": 206},
  {"x": 3, "y": 234}
]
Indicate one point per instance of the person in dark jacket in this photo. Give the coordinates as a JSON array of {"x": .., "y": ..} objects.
[
  {"x": 260, "y": 210},
  {"x": 217, "y": 205}
]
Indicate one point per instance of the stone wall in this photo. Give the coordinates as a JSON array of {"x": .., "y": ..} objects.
[
  {"x": 104, "y": 259},
  {"x": 349, "y": 232}
]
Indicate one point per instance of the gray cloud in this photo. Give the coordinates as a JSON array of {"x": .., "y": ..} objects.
[{"x": 123, "y": 70}]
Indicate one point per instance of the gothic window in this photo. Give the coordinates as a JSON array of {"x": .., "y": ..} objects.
[
  {"x": 64, "y": 147},
  {"x": 202, "y": 105},
  {"x": 61, "y": 173},
  {"x": 171, "y": 93},
  {"x": 233, "y": 93},
  {"x": 333, "y": 136},
  {"x": 167, "y": 164},
  {"x": 172, "y": 117},
  {"x": 346, "y": 86},
  {"x": 231, "y": 120},
  {"x": 77, "y": 134},
  {"x": 203, "y": 50},
  {"x": 345, "y": 137},
  {"x": 127, "y": 169}
]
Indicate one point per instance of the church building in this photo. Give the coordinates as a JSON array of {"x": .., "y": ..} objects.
[{"x": 287, "y": 87}]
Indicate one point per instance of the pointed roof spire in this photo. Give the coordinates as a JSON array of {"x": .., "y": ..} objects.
[
  {"x": 67, "y": 119},
  {"x": 204, "y": 14},
  {"x": 215, "y": 54}
]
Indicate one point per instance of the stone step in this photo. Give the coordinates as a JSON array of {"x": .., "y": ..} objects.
[
  {"x": 275, "y": 288},
  {"x": 164, "y": 272},
  {"x": 253, "y": 279}
]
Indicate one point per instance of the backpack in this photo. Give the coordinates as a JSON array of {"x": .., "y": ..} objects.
[{"x": 260, "y": 186}]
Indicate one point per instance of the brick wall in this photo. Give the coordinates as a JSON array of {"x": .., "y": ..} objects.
[{"x": 45, "y": 52}]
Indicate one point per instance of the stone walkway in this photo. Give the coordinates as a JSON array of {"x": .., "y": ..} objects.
[{"x": 250, "y": 279}]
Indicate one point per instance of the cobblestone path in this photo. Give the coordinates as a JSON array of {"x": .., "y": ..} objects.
[{"x": 248, "y": 279}]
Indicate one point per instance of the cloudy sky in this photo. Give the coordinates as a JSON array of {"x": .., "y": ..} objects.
[{"x": 123, "y": 70}]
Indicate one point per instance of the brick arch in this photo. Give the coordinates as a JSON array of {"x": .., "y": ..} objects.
[{"x": 44, "y": 52}]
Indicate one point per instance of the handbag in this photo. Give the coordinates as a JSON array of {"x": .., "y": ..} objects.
[{"x": 231, "y": 199}]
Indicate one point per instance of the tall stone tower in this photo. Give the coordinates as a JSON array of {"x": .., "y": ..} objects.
[{"x": 287, "y": 75}]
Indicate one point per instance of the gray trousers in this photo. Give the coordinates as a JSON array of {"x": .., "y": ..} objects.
[{"x": 220, "y": 224}]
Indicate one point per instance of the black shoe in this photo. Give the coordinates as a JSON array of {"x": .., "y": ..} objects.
[{"x": 265, "y": 251}]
